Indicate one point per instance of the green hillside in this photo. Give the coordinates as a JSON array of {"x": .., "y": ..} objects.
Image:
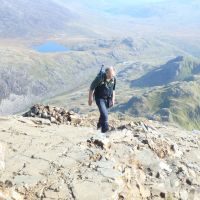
[
  {"x": 178, "y": 69},
  {"x": 176, "y": 99}
]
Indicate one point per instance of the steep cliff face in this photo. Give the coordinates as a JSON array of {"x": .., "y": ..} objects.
[{"x": 139, "y": 159}]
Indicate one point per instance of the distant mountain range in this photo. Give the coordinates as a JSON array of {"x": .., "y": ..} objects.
[
  {"x": 174, "y": 95},
  {"x": 22, "y": 18},
  {"x": 178, "y": 69}
]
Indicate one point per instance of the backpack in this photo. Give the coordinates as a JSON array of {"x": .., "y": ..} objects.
[{"x": 101, "y": 73}]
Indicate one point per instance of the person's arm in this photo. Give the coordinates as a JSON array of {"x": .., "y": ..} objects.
[
  {"x": 113, "y": 98},
  {"x": 90, "y": 98},
  {"x": 113, "y": 95},
  {"x": 93, "y": 85}
]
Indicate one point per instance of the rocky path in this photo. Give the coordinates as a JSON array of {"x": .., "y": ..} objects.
[{"x": 139, "y": 160}]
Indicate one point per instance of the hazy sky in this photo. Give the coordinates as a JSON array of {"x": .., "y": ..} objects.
[{"x": 132, "y": 1}]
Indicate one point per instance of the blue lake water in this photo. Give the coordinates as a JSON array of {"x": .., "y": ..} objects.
[{"x": 50, "y": 47}]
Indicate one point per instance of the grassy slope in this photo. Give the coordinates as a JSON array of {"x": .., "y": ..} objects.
[
  {"x": 177, "y": 69},
  {"x": 176, "y": 102},
  {"x": 181, "y": 100}
]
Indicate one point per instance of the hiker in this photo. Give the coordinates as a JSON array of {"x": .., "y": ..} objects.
[{"x": 103, "y": 90}]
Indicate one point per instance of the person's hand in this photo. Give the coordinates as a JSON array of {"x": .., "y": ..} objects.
[
  {"x": 113, "y": 102},
  {"x": 89, "y": 102}
]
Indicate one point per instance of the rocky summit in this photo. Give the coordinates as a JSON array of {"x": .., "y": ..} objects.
[{"x": 51, "y": 153}]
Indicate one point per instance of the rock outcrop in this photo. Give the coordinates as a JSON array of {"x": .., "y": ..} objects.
[{"x": 54, "y": 114}]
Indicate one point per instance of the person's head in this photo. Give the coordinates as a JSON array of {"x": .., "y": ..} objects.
[{"x": 110, "y": 72}]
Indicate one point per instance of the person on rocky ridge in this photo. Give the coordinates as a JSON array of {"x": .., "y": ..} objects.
[{"x": 102, "y": 89}]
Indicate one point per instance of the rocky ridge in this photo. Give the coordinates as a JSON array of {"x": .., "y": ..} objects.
[{"x": 140, "y": 159}]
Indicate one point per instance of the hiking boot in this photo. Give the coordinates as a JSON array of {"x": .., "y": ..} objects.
[
  {"x": 105, "y": 130},
  {"x": 98, "y": 125}
]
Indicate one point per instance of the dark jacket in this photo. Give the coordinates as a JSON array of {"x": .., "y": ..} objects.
[{"x": 103, "y": 88}]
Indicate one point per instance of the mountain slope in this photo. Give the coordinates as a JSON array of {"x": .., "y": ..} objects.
[
  {"x": 168, "y": 93},
  {"x": 176, "y": 102},
  {"x": 22, "y": 18},
  {"x": 178, "y": 69},
  {"x": 45, "y": 75},
  {"x": 78, "y": 163}
]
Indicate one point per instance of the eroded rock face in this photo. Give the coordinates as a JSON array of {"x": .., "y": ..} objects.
[{"x": 138, "y": 159}]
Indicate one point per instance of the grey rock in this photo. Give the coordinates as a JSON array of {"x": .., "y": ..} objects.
[
  {"x": 183, "y": 194},
  {"x": 53, "y": 120},
  {"x": 44, "y": 115}
]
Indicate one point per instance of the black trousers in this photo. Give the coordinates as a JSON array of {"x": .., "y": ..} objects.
[{"x": 103, "y": 109}]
